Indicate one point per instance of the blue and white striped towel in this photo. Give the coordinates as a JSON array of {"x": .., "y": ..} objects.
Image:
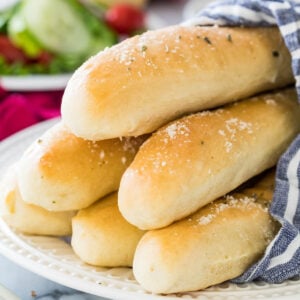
[{"x": 282, "y": 257}]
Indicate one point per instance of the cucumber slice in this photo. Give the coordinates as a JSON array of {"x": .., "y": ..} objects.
[
  {"x": 57, "y": 25},
  {"x": 5, "y": 16},
  {"x": 20, "y": 35}
]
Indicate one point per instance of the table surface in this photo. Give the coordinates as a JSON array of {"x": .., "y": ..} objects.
[{"x": 27, "y": 285}]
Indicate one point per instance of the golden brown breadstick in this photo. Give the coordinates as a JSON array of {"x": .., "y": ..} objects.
[
  {"x": 146, "y": 81},
  {"x": 217, "y": 243},
  {"x": 60, "y": 171},
  {"x": 102, "y": 237},
  {"x": 30, "y": 218},
  {"x": 199, "y": 158}
]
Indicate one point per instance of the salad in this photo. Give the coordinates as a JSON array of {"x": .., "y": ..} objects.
[{"x": 57, "y": 36}]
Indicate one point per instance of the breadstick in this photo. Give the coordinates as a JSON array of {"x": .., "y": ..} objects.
[
  {"x": 60, "y": 171},
  {"x": 146, "y": 81},
  {"x": 199, "y": 158},
  {"x": 30, "y": 218},
  {"x": 102, "y": 237},
  {"x": 217, "y": 243}
]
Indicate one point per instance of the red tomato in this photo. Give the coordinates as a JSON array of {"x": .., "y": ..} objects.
[
  {"x": 125, "y": 18},
  {"x": 44, "y": 58},
  {"x": 10, "y": 52}
]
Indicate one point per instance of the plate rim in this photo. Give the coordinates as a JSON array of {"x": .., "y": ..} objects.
[{"x": 35, "y": 82}]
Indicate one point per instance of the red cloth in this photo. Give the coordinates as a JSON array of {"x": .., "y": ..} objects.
[{"x": 20, "y": 110}]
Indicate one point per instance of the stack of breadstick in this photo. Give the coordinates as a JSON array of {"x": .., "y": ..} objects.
[{"x": 150, "y": 165}]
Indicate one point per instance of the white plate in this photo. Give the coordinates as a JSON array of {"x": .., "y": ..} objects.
[
  {"x": 34, "y": 82},
  {"x": 6, "y": 294},
  {"x": 54, "y": 259}
]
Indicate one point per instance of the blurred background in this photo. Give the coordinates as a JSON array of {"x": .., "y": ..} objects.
[{"x": 42, "y": 42}]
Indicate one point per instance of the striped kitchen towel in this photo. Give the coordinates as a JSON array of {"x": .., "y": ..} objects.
[{"x": 282, "y": 257}]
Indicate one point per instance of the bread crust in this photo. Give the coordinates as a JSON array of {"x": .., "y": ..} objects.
[
  {"x": 60, "y": 171},
  {"x": 139, "y": 85},
  {"x": 196, "y": 159},
  {"x": 102, "y": 237},
  {"x": 28, "y": 218},
  {"x": 217, "y": 243}
]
